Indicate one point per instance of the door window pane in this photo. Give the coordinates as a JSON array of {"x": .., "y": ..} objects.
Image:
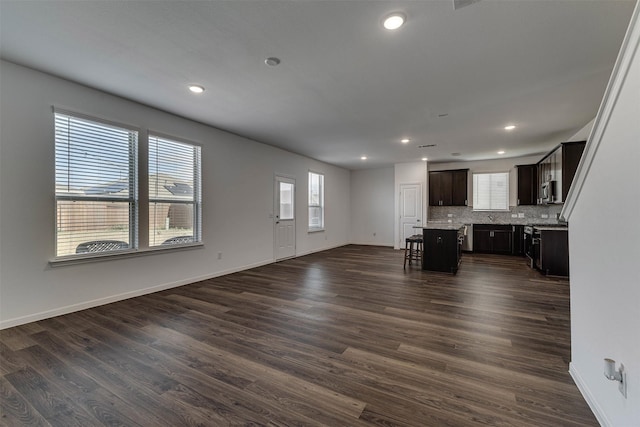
[{"x": 286, "y": 200}]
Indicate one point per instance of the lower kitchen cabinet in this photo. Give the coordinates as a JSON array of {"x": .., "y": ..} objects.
[
  {"x": 493, "y": 238},
  {"x": 552, "y": 257},
  {"x": 442, "y": 250},
  {"x": 517, "y": 247}
]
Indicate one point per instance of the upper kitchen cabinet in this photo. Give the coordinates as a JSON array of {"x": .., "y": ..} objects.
[
  {"x": 556, "y": 171},
  {"x": 571, "y": 155},
  {"x": 448, "y": 188},
  {"x": 527, "y": 184}
]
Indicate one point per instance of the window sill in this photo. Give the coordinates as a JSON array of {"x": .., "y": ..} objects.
[
  {"x": 107, "y": 256},
  {"x": 315, "y": 230}
]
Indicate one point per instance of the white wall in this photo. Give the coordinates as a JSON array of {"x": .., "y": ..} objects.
[
  {"x": 372, "y": 207},
  {"x": 408, "y": 173},
  {"x": 604, "y": 247},
  {"x": 238, "y": 186}
]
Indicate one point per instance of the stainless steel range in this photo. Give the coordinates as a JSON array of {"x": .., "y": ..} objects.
[{"x": 529, "y": 243}]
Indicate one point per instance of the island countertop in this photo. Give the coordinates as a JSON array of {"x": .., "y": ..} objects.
[
  {"x": 440, "y": 226},
  {"x": 550, "y": 228}
]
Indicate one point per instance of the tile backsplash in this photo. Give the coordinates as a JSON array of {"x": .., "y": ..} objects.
[{"x": 524, "y": 215}]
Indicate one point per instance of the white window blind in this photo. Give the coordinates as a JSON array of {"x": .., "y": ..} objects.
[
  {"x": 491, "y": 191},
  {"x": 95, "y": 186},
  {"x": 316, "y": 201},
  {"x": 174, "y": 192}
]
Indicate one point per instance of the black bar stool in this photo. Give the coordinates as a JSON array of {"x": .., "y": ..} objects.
[{"x": 413, "y": 250}]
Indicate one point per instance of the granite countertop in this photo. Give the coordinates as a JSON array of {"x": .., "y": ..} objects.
[
  {"x": 547, "y": 228},
  {"x": 440, "y": 226}
]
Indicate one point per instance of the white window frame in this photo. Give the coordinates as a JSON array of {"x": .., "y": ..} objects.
[
  {"x": 137, "y": 192},
  {"x": 195, "y": 201},
  {"x": 505, "y": 194},
  {"x": 319, "y": 205},
  {"x": 75, "y": 196}
]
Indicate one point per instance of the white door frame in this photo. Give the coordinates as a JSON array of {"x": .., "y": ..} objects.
[
  {"x": 418, "y": 213},
  {"x": 278, "y": 254}
]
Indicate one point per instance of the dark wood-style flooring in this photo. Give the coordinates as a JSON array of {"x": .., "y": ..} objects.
[{"x": 343, "y": 337}]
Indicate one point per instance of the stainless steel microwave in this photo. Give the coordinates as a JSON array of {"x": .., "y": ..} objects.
[{"x": 548, "y": 191}]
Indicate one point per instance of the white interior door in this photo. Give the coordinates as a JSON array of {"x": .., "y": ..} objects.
[
  {"x": 410, "y": 210},
  {"x": 285, "y": 220}
]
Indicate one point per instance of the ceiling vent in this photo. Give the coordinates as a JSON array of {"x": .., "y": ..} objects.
[
  {"x": 457, "y": 4},
  {"x": 427, "y": 145}
]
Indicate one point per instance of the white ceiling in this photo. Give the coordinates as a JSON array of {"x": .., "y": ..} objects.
[{"x": 346, "y": 87}]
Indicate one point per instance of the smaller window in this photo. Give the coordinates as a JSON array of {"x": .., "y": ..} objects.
[
  {"x": 316, "y": 201},
  {"x": 491, "y": 191},
  {"x": 174, "y": 192}
]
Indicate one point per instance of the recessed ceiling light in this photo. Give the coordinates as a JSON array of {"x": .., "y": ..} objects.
[
  {"x": 510, "y": 127},
  {"x": 394, "y": 21},
  {"x": 196, "y": 88},
  {"x": 405, "y": 140},
  {"x": 363, "y": 158},
  {"x": 424, "y": 159},
  {"x": 500, "y": 152},
  {"x": 272, "y": 61}
]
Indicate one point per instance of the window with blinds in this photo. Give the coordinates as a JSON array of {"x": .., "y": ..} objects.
[
  {"x": 491, "y": 191},
  {"x": 95, "y": 180},
  {"x": 316, "y": 201},
  {"x": 174, "y": 192}
]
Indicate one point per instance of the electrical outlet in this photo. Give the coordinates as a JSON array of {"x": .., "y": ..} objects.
[
  {"x": 219, "y": 255},
  {"x": 514, "y": 215},
  {"x": 544, "y": 216},
  {"x": 449, "y": 215},
  {"x": 520, "y": 215}
]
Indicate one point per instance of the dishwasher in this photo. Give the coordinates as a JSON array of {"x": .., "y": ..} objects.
[{"x": 467, "y": 244}]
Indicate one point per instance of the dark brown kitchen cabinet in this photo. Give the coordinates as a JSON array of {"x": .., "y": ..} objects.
[
  {"x": 556, "y": 171},
  {"x": 572, "y": 153},
  {"x": 552, "y": 255},
  {"x": 527, "y": 184},
  {"x": 517, "y": 247},
  {"x": 442, "y": 250},
  {"x": 448, "y": 188},
  {"x": 493, "y": 238},
  {"x": 440, "y": 188}
]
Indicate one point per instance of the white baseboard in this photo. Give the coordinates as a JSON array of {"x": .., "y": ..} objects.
[
  {"x": 17, "y": 321},
  {"x": 9, "y": 323},
  {"x": 588, "y": 396},
  {"x": 326, "y": 248},
  {"x": 387, "y": 245}
]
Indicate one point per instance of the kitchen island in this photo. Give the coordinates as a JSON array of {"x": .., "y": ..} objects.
[{"x": 442, "y": 250}]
